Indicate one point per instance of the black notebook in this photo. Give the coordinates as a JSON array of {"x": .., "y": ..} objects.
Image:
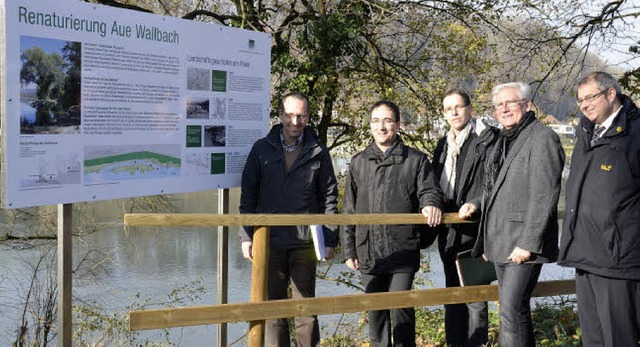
[{"x": 474, "y": 271}]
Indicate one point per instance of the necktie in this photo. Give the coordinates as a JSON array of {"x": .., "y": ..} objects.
[{"x": 599, "y": 129}]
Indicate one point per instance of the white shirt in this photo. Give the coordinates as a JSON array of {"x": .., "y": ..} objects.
[{"x": 607, "y": 123}]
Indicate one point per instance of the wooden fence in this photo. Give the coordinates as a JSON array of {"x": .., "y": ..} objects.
[{"x": 258, "y": 310}]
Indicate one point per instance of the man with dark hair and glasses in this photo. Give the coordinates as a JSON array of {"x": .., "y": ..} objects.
[
  {"x": 458, "y": 163},
  {"x": 289, "y": 171},
  {"x": 601, "y": 235},
  {"x": 519, "y": 217},
  {"x": 388, "y": 177}
]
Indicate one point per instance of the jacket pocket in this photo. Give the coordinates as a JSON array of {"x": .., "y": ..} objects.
[
  {"x": 609, "y": 236},
  {"x": 515, "y": 217},
  {"x": 273, "y": 166},
  {"x": 627, "y": 237},
  {"x": 403, "y": 237}
]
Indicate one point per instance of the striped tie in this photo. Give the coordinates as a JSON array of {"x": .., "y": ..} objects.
[{"x": 599, "y": 129}]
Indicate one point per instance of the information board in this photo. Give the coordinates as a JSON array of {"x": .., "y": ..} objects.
[{"x": 103, "y": 103}]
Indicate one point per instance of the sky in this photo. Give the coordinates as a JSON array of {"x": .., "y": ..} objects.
[
  {"x": 47, "y": 45},
  {"x": 613, "y": 46}
]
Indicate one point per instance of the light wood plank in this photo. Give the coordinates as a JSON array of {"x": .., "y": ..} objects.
[
  {"x": 211, "y": 314},
  {"x": 205, "y": 219},
  {"x": 259, "y": 281}
]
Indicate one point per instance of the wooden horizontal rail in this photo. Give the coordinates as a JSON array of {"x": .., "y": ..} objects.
[
  {"x": 206, "y": 219},
  {"x": 211, "y": 314}
]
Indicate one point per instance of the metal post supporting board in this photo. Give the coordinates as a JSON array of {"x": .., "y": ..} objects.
[
  {"x": 65, "y": 261},
  {"x": 223, "y": 263}
]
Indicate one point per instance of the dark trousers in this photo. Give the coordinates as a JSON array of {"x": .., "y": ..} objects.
[
  {"x": 515, "y": 285},
  {"x": 464, "y": 324},
  {"x": 403, "y": 320},
  {"x": 297, "y": 266},
  {"x": 609, "y": 310}
]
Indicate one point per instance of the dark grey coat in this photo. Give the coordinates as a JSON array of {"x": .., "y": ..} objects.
[{"x": 522, "y": 207}]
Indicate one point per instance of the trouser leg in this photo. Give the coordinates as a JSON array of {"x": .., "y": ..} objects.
[
  {"x": 302, "y": 263},
  {"x": 478, "y": 333},
  {"x": 456, "y": 318},
  {"x": 277, "y": 330},
  {"x": 516, "y": 283},
  {"x": 609, "y": 310},
  {"x": 379, "y": 321},
  {"x": 403, "y": 320},
  {"x": 465, "y": 324}
]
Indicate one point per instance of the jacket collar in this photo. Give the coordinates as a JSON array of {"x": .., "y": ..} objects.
[
  {"x": 485, "y": 131},
  {"x": 517, "y": 145},
  {"x": 394, "y": 155},
  {"x": 309, "y": 140},
  {"x": 618, "y": 127}
]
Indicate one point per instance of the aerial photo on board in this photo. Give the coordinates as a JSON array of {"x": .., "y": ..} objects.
[{"x": 108, "y": 164}]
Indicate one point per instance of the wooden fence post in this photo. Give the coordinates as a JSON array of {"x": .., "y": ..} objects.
[{"x": 259, "y": 272}]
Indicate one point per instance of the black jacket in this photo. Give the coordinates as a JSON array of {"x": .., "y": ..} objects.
[
  {"x": 400, "y": 182},
  {"x": 468, "y": 186},
  {"x": 309, "y": 187},
  {"x": 601, "y": 231}
]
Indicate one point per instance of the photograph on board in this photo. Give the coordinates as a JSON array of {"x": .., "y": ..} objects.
[
  {"x": 215, "y": 135},
  {"x": 49, "y": 86},
  {"x": 198, "y": 79},
  {"x": 197, "y": 108}
]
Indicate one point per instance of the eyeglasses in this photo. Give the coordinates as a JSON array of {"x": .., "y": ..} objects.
[
  {"x": 509, "y": 104},
  {"x": 590, "y": 98},
  {"x": 385, "y": 121},
  {"x": 452, "y": 110},
  {"x": 299, "y": 117}
]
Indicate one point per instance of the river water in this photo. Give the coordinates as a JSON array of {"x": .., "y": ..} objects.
[{"x": 151, "y": 262}]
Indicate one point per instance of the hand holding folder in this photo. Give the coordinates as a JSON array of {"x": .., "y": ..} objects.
[{"x": 474, "y": 271}]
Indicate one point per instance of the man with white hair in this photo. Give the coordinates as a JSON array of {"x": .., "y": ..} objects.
[{"x": 519, "y": 221}]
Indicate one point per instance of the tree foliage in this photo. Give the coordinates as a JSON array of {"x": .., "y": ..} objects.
[
  {"x": 46, "y": 71},
  {"x": 71, "y": 88},
  {"x": 631, "y": 79},
  {"x": 346, "y": 54},
  {"x": 56, "y": 78}
]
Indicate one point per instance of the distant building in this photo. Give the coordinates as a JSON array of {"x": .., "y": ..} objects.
[{"x": 564, "y": 130}]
